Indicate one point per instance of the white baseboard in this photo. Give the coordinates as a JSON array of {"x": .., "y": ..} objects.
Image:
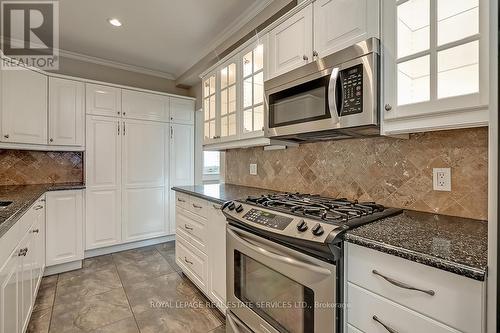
[
  {"x": 61, "y": 268},
  {"x": 127, "y": 246}
]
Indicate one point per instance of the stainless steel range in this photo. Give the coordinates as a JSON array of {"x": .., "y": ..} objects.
[{"x": 284, "y": 261}]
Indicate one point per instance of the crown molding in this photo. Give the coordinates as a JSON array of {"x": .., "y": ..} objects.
[
  {"x": 115, "y": 64},
  {"x": 232, "y": 28}
]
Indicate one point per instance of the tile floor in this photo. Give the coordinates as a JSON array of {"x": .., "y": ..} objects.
[{"x": 140, "y": 290}]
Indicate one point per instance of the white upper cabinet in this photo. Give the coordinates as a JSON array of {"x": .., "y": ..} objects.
[
  {"x": 24, "y": 106},
  {"x": 341, "y": 23},
  {"x": 182, "y": 111},
  {"x": 291, "y": 42},
  {"x": 209, "y": 109},
  {"x": 227, "y": 87},
  {"x": 140, "y": 105},
  {"x": 103, "y": 100},
  {"x": 66, "y": 112},
  {"x": 435, "y": 67},
  {"x": 252, "y": 87}
]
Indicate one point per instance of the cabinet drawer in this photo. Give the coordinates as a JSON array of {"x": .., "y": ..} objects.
[
  {"x": 192, "y": 262},
  {"x": 457, "y": 300},
  {"x": 194, "y": 228},
  {"x": 364, "y": 305},
  {"x": 192, "y": 204}
]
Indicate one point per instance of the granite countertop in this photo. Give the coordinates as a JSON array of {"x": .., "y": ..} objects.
[
  {"x": 454, "y": 244},
  {"x": 220, "y": 193},
  {"x": 22, "y": 197}
]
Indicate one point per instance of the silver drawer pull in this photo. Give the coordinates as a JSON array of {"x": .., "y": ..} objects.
[
  {"x": 219, "y": 207},
  {"x": 181, "y": 200},
  {"x": 23, "y": 252},
  {"x": 389, "y": 329},
  {"x": 38, "y": 207},
  {"x": 196, "y": 206},
  {"x": 403, "y": 285},
  {"x": 35, "y": 231},
  {"x": 188, "y": 227},
  {"x": 186, "y": 260}
]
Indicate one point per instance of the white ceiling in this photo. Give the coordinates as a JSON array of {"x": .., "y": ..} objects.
[{"x": 167, "y": 36}]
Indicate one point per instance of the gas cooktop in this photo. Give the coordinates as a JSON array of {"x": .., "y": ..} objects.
[{"x": 303, "y": 217}]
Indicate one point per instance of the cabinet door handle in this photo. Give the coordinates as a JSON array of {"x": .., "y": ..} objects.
[
  {"x": 171, "y": 132},
  {"x": 22, "y": 252},
  {"x": 181, "y": 200},
  {"x": 118, "y": 127},
  {"x": 6, "y": 136},
  {"x": 35, "y": 231},
  {"x": 305, "y": 57},
  {"x": 389, "y": 329},
  {"x": 124, "y": 128},
  {"x": 315, "y": 54},
  {"x": 403, "y": 285},
  {"x": 388, "y": 107},
  {"x": 38, "y": 207},
  {"x": 219, "y": 207},
  {"x": 196, "y": 206},
  {"x": 51, "y": 140},
  {"x": 187, "y": 261},
  {"x": 188, "y": 227}
]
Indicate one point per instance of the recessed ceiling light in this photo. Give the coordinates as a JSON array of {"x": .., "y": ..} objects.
[{"x": 115, "y": 22}]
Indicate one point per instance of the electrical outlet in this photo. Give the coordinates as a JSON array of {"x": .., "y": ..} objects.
[
  {"x": 253, "y": 169},
  {"x": 442, "y": 179}
]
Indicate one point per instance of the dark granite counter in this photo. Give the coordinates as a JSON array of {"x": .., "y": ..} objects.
[
  {"x": 450, "y": 243},
  {"x": 220, "y": 193},
  {"x": 22, "y": 197}
]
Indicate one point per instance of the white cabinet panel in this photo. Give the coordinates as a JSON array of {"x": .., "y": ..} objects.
[
  {"x": 9, "y": 298},
  {"x": 143, "y": 213},
  {"x": 193, "y": 262},
  {"x": 25, "y": 282},
  {"x": 139, "y": 105},
  {"x": 103, "y": 217},
  {"x": 64, "y": 234},
  {"x": 24, "y": 106},
  {"x": 181, "y": 162},
  {"x": 66, "y": 112},
  {"x": 290, "y": 43},
  {"x": 217, "y": 257},
  {"x": 103, "y": 100},
  {"x": 103, "y": 157},
  {"x": 341, "y": 23},
  {"x": 181, "y": 111}
]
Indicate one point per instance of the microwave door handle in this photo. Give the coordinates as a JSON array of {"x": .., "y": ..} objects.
[
  {"x": 284, "y": 259},
  {"x": 332, "y": 99}
]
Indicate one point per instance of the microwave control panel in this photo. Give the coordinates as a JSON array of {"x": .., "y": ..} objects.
[
  {"x": 267, "y": 219},
  {"x": 352, "y": 84}
]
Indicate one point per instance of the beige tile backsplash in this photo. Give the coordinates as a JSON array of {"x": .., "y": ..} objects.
[
  {"x": 393, "y": 172},
  {"x": 21, "y": 167}
]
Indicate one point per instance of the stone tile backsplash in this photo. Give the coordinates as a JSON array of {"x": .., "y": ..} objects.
[
  {"x": 21, "y": 167},
  {"x": 393, "y": 172}
]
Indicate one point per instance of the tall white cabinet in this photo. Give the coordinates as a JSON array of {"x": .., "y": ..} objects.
[{"x": 135, "y": 153}]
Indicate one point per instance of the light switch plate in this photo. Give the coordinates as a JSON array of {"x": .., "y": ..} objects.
[
  {"x": 253, "y": 169},
  {"x": 441, "y": 178}
]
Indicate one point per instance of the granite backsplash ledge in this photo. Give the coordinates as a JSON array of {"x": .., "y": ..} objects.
[
  {"x": 25, "y": 167},
  {"x": 393, "y": 172}
]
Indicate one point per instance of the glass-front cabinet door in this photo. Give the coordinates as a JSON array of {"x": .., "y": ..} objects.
[
  {"x": 228, "y": 101},
  {"x": 209, "y": 109},
  {"x": 252, "y": 68},
  {"x": 435, "y": 57}
]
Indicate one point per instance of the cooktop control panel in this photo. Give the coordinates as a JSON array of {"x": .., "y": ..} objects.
[{"x": 267, "y": 219}]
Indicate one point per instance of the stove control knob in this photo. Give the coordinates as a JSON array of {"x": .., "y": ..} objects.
[
  {"x": 231, "y": 206},
  {"x": 302, "y": 226},
  {"x": 317, "y": 230},
  {"x": 239, "y": 208}
]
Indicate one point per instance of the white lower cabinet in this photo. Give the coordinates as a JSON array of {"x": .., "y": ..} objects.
[
  {"x": 440, "y": 301},
  {"x": 64, "y": 237},
  {"x": 21, "y": 273},
  {"x": 201, "y": 245}
]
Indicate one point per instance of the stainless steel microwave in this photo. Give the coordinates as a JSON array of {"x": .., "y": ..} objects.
[{"x": 335, "y": 97}]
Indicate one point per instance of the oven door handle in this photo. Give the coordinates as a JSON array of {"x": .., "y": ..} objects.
[
  {"x": 278, "y": 257},
  {"x": 236, "y": 325},
  {"x": 332, "y": 100}
]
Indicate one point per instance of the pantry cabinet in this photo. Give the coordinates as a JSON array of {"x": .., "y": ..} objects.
[
  {"x": 435, "y": 65},
  {"x": 66, "y": 112},
  {"x": 181, "y": 111},
  {"x": 103, "y": 100},
  {"x": 140, "y": 105},
  {"x": 23, "y": 106},
  {"x": 64, "y": 233},
  {"x": 291, "y": 43}
]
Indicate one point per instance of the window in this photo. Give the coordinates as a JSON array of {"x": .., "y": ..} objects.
[
  {"x": 209, "y": 107},
  {"x": 438, "y": 46},
  {"x": 211, "y": 163},
  {"x": 253, "y": 89}
]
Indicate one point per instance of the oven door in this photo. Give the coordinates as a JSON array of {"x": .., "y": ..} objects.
[{"x": 272, "y": 288}]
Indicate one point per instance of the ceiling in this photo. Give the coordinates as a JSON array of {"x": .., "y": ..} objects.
[{"x": 167, "y": 36}]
